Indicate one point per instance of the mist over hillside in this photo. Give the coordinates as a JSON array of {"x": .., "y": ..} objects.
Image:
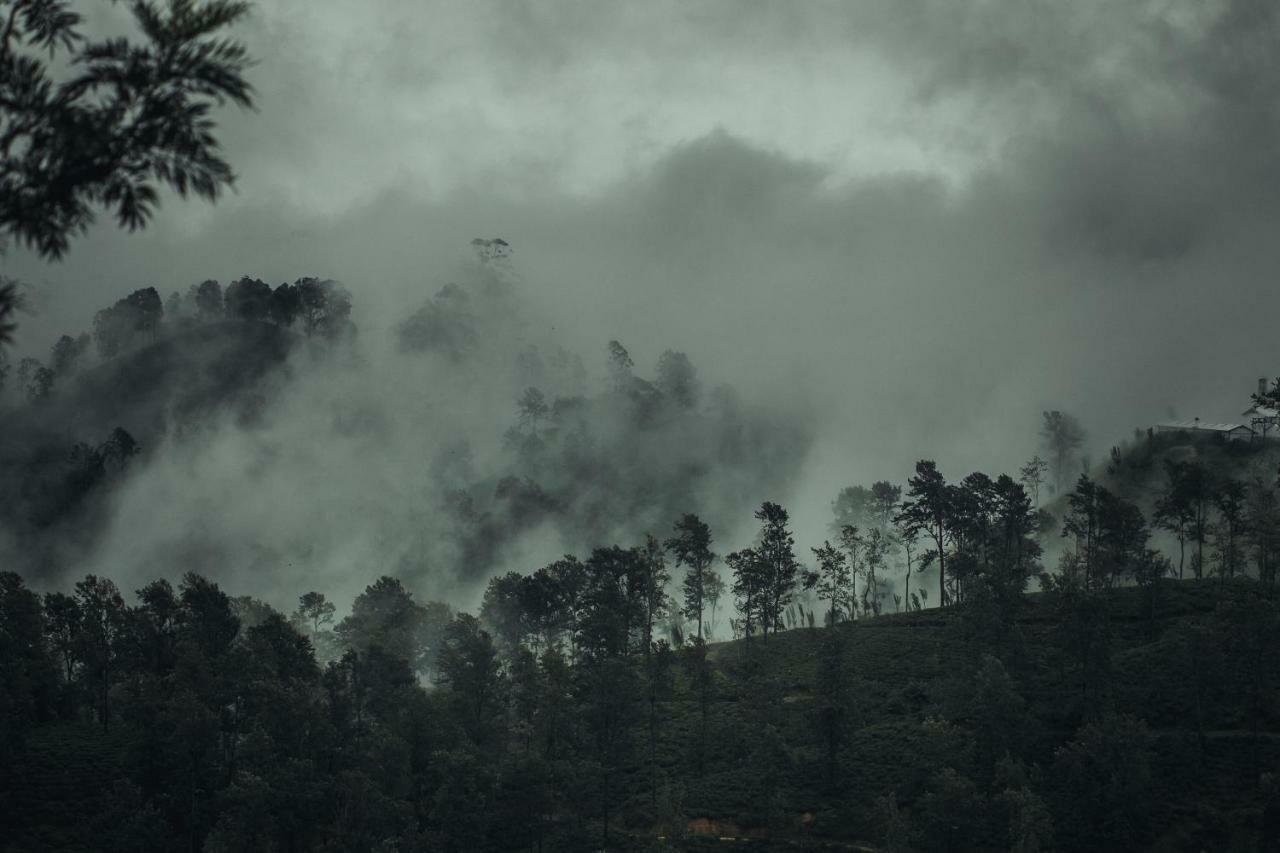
[{"x": 462, "y": 441}]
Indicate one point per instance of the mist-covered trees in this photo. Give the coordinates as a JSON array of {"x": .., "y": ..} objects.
[
  {"x": 446, "y": 324},
  {"x": 678, "y": 379},
  {"x": 132, "y": 321},
  {"x": 1031, "y": 476},
  {"x": 1062, "y": 436},
  {"x": 247, "y": 299}
]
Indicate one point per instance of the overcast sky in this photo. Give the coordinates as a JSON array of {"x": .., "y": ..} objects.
[{"x": 916, "y": 222}]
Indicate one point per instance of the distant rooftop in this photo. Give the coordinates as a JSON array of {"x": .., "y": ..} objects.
[{"x": 1199, "y": 425}]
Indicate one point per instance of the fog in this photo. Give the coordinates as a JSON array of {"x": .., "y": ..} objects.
[{"x": 898, "y": 230}]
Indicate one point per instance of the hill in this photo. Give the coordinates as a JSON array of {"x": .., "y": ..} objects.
[
  {"x": 1093, "y": 720},
  {"x": 52, "y": 450}
]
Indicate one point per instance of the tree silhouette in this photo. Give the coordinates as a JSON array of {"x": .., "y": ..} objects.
[
  {"x": 776, "y": 560},
  {"x": 691, "y": 547},
  {"x": 127, "y": 115},
  {"x": 928, "y": 510}
]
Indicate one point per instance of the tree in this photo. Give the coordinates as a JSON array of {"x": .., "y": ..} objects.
[
  {"x": 208, "y": 621},
  {"x": 678, "y": 379},
  {"x": 207, "y": 296},
  {"x": 385, "y": 616},
  {"x": 654, "y": 579},
  {"x": 248, "y": 299},
  {"x": 503, "y": 610},
  {"x": 611, "y": 604},
  {"x": 66, "y": 354},
  {"x": 1174, "y": 511},
  {"x": 875, "y": 552},
  {"x": 1062, "y": 436},
  {"x": 36, "y": 379},
  {"x": 285, "y": 305},
  {"x": 748, "y": 587},
  {"x": 1014, "y": 550},
  {"x": 155, "y": 624},
  {"x": 853, "y": 507},
  {"x": 713, "y": 592},
  {"x": 102, "y": 621},
  {"x": 128, "y": 116},
  {"x": 28, "y": 677},
  {"x": 884, "y": 503},
  {"x": 1262, "y": 527},
  {"x": 1190, "y": 494},
  {"x": 62, "y": 626},
  {"x": 118, "y": 449},
  {"x": 1081, "y": 523},
  {"x": 779, "y": 568},
  {"x": 1230, "y": 503},
  {"x": 134, "y": 318},
  {"x": 908, "y": 537},
  {"x": 691, "y": 547},
  {"x": 1031, "y": 476},
  {"x": 833, "y": 580},
  {"x": 468, "y": 664},
  {"x": 324, "y": 307},
  {"x": 1121, "y": 537},
  {"x": 620, "y": 365},
  {"x": 928, "y": 510},
  {"x": 314, "y": 610}
]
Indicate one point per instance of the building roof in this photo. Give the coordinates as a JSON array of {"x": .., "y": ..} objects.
[
  {"x": 1261, "y": 412},
  {"x": 1198, "y": 425}
]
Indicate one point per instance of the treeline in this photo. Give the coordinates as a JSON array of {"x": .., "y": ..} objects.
[
  {"x": 314, "y": 306},
  {"x": 254, "y": 730},
  {"x": 583, "y": 708},
  {"x": 251, "y": 730}
]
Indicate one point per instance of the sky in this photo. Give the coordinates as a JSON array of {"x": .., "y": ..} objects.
[{"x": 912, "y": 224}]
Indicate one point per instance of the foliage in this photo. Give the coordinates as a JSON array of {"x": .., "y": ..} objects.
[{"x": 128, "y": 115}]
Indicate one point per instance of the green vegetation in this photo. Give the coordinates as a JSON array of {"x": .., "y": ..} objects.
[{"x": 196, "y": 720}]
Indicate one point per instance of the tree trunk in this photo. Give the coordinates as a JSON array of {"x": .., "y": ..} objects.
[{"x": 942, "y": 569}]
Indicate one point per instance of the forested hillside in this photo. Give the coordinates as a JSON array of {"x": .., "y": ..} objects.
[
  {"x": 1087, "y": 721},
  {"x": 443, "y": 448}
]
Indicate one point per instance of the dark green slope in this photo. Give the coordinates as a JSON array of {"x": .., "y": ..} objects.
[{"x": 1210, "y": 705}]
